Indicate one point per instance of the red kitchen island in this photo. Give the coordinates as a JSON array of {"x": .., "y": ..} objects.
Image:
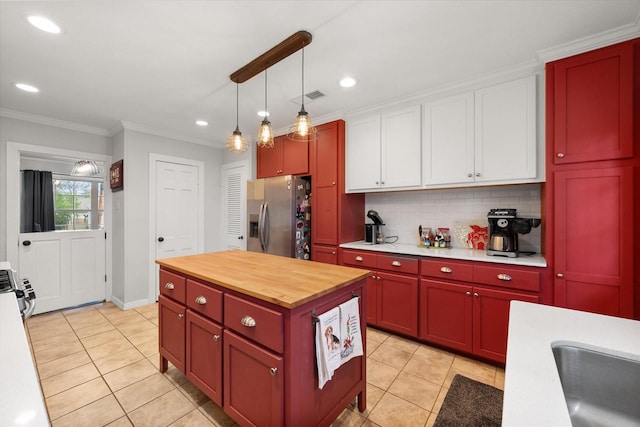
[{"x": 240, "y": 326}]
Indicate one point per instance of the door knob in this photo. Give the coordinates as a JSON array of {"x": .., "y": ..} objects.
[
  {"x": 160, "y": 239},
  {"x": 26, "y": 243}
]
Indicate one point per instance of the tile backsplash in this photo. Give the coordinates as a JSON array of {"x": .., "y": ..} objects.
[{"x": 402, "y": 212}]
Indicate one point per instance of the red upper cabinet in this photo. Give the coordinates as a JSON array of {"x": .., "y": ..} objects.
[
  {"x": 593, "y": 105},
  {"x": 286, "y": 157}
]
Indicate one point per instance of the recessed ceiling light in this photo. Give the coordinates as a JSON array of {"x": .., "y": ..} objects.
[
  {"x": 202, "y": 122},
  {"x": 263, "y": 113},
  {"x": 27, "y": 88},
  {"x": 44, "y": 24},
  {"x": 348, "y": 82}
]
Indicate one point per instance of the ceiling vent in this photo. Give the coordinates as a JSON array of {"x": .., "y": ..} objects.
[{"x": 308, "y": 97}]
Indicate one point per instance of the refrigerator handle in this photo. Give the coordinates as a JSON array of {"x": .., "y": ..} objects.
[
  {"x": 261, "y": 225},
  {"x": 265, "y": 227}
]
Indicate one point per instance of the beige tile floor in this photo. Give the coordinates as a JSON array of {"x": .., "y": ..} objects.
[{"x": 98, "y": 366}]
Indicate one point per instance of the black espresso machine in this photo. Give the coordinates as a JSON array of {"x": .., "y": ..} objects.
[{"x": 504, "y": 227}]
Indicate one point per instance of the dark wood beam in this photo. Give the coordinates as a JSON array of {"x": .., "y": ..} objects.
[{"x": 274, "y": 55}]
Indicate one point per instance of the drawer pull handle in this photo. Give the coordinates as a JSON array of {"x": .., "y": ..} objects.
[
  {"x": 169, "y": 286},
  {"x": 216, "y": 337},
  {"x": 505, "y": 277},
  {"x": 396, "y": 263},
  {"x": 180, "y": 316},
  {"x": 201, "y": 300},
  {"x": 359, "y": 258},
  {"x": 273, "y": 371},
  {"x": 446, "y": 270},
  {"x": 248, "y": 321}
]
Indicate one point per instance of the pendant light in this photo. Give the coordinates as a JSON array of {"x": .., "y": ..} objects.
[
  {"x": 265, "y": 133},
  {"x": 236, "y": 143},
  {"x": 85, "y": 168},
  {"x": 302, "y": 128}
]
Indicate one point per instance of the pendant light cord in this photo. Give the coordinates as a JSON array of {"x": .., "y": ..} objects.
[
  {"x": 302, "y": 100},
  {"x": 237, "y": 106},
  {"x": 266, "y": 112}
]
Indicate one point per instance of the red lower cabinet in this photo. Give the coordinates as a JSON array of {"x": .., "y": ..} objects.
[
  {"x": 447, "y": 314},
  {"x": 326, "y": 254},
  {"x": 171, "y": 317},
  {"x": 468, "y": 318},
  {"x": 253, "y": 383},
  {"x": 491, "y": 321},
  {"x": 204, "y": 355},
  {"x": 397, "y": 303}
]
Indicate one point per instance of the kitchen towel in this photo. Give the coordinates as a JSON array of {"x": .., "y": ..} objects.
[
  {"x": 350, "y": 337},
  {"x": 327, "y": 345}
]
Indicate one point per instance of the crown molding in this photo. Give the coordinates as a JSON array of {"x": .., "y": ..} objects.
[
  {"x": 596, "y": 41},
  {"x": 48, "y": 121},
  {"x": 125, "y": 125}
]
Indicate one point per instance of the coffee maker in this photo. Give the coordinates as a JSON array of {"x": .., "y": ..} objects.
[
  {"x": 373, "y": 232},
  {"x": 504, "y": 227}
]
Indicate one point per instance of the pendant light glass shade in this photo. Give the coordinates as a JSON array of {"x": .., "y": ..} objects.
[
  {"x": 265, "y": 133},
  {"x": 85, "y": 168},
  {"x": 236, "y": 143},
  {"x": 303, "y": 127}
]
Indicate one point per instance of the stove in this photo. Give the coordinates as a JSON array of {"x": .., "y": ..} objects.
[
  {"x": 7, "y": 283},
  {"x": 23, "y": 290}
]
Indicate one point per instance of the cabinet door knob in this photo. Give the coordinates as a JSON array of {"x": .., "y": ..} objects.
[
  {"x": 477, "y": 173},
  {"x": 382, "y": 182},
  {"x": 248, "y": 321},
  {"x": 559, "y": 155},
  {"x": 160, "y": 239},
  {"x": 333, "y": 252},
  {"x": 240, "y": 237},
  {"x": 201, "y": 300},
  {"x": 333, "y": 183},
  {"x": 475, "y": 294},
  {"x": 560, "y": 276},
  {"x": 446, "y": 270},
  {"x": 359, "y": 258},
  {"x": 273, "y": 371},
  {"x": 505, "y": 277},
  {"x": 26, "y": 243},
  {"x": 396, "y": 263},
  {"x": 180, "y": 315},
  {"x": 216, "y": 337},
  {"x": 470, "y": 175},
  {"x": 169, "y": 286},
  {"x": 468, "y": 293},
  {"x": 377, "y": 183}
]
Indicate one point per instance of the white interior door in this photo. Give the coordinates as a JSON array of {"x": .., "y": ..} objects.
[
  {"x": 177, "y": 207},
  {"x": 234, "y": 205},
  {"x": 65, "y": 268}
]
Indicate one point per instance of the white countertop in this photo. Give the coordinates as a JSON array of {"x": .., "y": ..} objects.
[
  {"x": 532, "y": 391},
  {"x": 21, "y": 401},
  {"x": 535, "y": 260}
]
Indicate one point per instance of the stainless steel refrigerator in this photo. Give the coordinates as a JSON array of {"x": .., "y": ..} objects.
[{"x": 279, "y": 216}]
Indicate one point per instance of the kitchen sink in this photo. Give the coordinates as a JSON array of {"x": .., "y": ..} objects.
[{"x": 601, "y": 386}]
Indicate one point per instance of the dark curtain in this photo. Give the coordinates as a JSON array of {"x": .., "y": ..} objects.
[{"x": 36, "y": 205}]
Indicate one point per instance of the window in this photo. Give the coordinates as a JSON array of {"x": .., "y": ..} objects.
[{"x": 78, "y": 203}]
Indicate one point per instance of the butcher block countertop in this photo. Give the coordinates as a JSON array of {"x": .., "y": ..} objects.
[{"x": 286, "y": 282}]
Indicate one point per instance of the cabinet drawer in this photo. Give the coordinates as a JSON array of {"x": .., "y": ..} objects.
[
  {"x": 507, "y": 277},
  {"x": 204, "y": 300},
  {"x": 397, "y": 264},
  {"x": 173, "y": 285},
  {"x": 359, "y": 258},
  {"x": 445, "y": 269},
  {"x": 255, "y": 322}
]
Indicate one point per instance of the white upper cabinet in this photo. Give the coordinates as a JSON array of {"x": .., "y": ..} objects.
[
  {"x": 448, "y": 156},
  {"x": 505, "y": 132},
  {"x": 481, "y": 137},
  {"x": 383, "y": 151}
]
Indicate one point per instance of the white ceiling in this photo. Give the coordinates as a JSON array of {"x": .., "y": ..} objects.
[{"x": 160, "y": 65}]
